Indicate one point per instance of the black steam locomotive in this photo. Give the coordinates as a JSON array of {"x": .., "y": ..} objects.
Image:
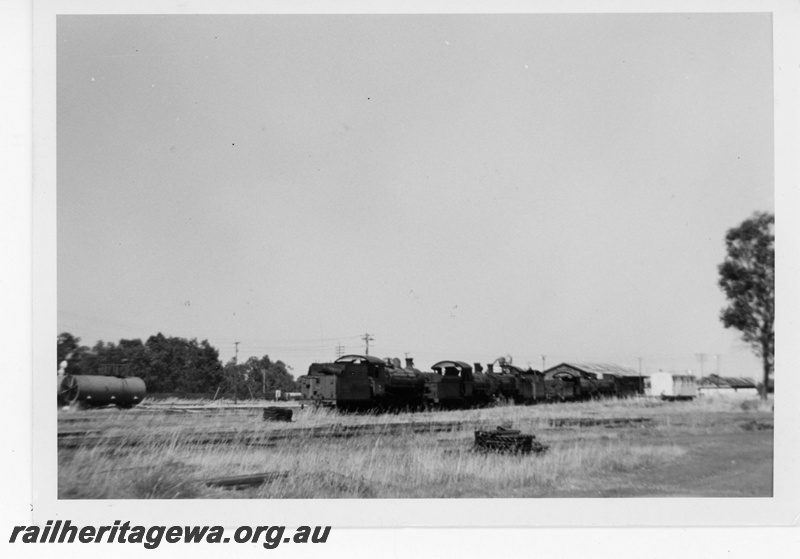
[{"x": 359, "y": 382}]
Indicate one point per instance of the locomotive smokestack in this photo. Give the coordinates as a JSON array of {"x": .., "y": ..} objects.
[
  {"x": 409, "y": 362},
  {"x": 491, "y": 367},
  {"x": 478, "y": 367}
]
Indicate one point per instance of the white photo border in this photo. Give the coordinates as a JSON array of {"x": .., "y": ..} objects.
[{"x": 782, "y": 509}]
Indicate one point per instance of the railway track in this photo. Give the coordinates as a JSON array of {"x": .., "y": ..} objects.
[{"x": 77, "y": 438}]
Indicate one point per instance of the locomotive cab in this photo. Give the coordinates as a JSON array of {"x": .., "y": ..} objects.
[{"x": 450, "y": 384}]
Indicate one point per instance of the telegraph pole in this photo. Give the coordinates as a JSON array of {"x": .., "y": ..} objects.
[
  {"x": 236, "y": 355},
  {"x": 702, "y": 358},
  {"x": 339, "y": 350},
  {"x": 367, "y": 339},
  {"x": 544, "y": 357},
  {"x": 641, "y": 381}
]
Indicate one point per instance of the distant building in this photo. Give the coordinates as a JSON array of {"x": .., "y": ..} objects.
[
  {"x": 735, "y": 387},
  {"x": 598, "y": 369}
]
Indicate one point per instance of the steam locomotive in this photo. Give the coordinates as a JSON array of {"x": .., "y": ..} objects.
[{"x": 360, "y": 382}]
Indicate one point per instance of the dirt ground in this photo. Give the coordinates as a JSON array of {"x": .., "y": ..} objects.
[{"x": 716, "y": 465}]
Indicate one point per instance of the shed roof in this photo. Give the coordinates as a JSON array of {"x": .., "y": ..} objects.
[
  {"x": 601, "y": 368},
  {"x": 727, "y": 382}
]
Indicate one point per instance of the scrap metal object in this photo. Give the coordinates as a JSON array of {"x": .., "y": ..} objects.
[
  {"x": 241, "y": 482},
  {"x": 277, "y": 414},
  {"x": 507, "y": 440}
]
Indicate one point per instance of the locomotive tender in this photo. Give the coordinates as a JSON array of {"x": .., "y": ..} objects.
[{"x": 358, "y": 382}]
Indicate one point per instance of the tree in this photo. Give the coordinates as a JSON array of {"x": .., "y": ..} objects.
[
  {"x": 234, "y": 379},
  {"x": 268, "y": 376},
  {"x": 68, "y": 349},
  {"x": 747, "y": 276},
  {"x": 130, "y": 353},
  {"x": 181, "y": 365}
]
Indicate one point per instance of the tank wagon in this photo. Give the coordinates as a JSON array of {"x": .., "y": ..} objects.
[{"x": 97, "y": 390}]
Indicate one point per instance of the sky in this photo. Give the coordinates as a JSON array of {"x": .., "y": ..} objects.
[{"x": 457, "y": 186}]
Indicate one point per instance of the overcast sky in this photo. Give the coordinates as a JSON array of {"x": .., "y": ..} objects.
[{"x": 458, "y": 186}]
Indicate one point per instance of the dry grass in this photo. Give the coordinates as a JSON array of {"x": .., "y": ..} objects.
[{"x": 169, "y": 463}]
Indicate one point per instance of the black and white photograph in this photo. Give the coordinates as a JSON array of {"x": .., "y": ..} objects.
[{"x": 413, "y": 267}]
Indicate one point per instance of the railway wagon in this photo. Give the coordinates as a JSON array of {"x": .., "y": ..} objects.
[
  {"x": 355, "y": 382},
  {"x": 673, "y": 386}
]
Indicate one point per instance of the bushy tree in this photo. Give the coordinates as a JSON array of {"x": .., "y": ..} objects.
[
  {"x": 69, "y": 349},
  {"x": 234, "y": 380},
  {"x": 126, "y": 352},
  {"x": 267, "y": 376},
  {"x": 181, "y": 365},
  {"x": 747, "y": 276}
]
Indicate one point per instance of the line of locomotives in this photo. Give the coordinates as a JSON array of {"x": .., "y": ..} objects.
[{"x": 360, "y": 382}]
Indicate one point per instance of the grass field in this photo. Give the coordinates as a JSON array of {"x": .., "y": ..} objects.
[{"x": 613, "y": 448}]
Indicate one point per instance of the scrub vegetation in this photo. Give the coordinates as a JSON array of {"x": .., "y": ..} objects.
[{"x": 169, "y": 449}]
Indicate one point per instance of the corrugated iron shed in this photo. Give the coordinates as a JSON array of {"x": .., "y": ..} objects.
[
  {"x": 601, "y": 368},
  {"x": 727, "y": 382}
]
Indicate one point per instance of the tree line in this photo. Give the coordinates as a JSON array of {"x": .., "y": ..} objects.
[{"x": 169, "y": 364}]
